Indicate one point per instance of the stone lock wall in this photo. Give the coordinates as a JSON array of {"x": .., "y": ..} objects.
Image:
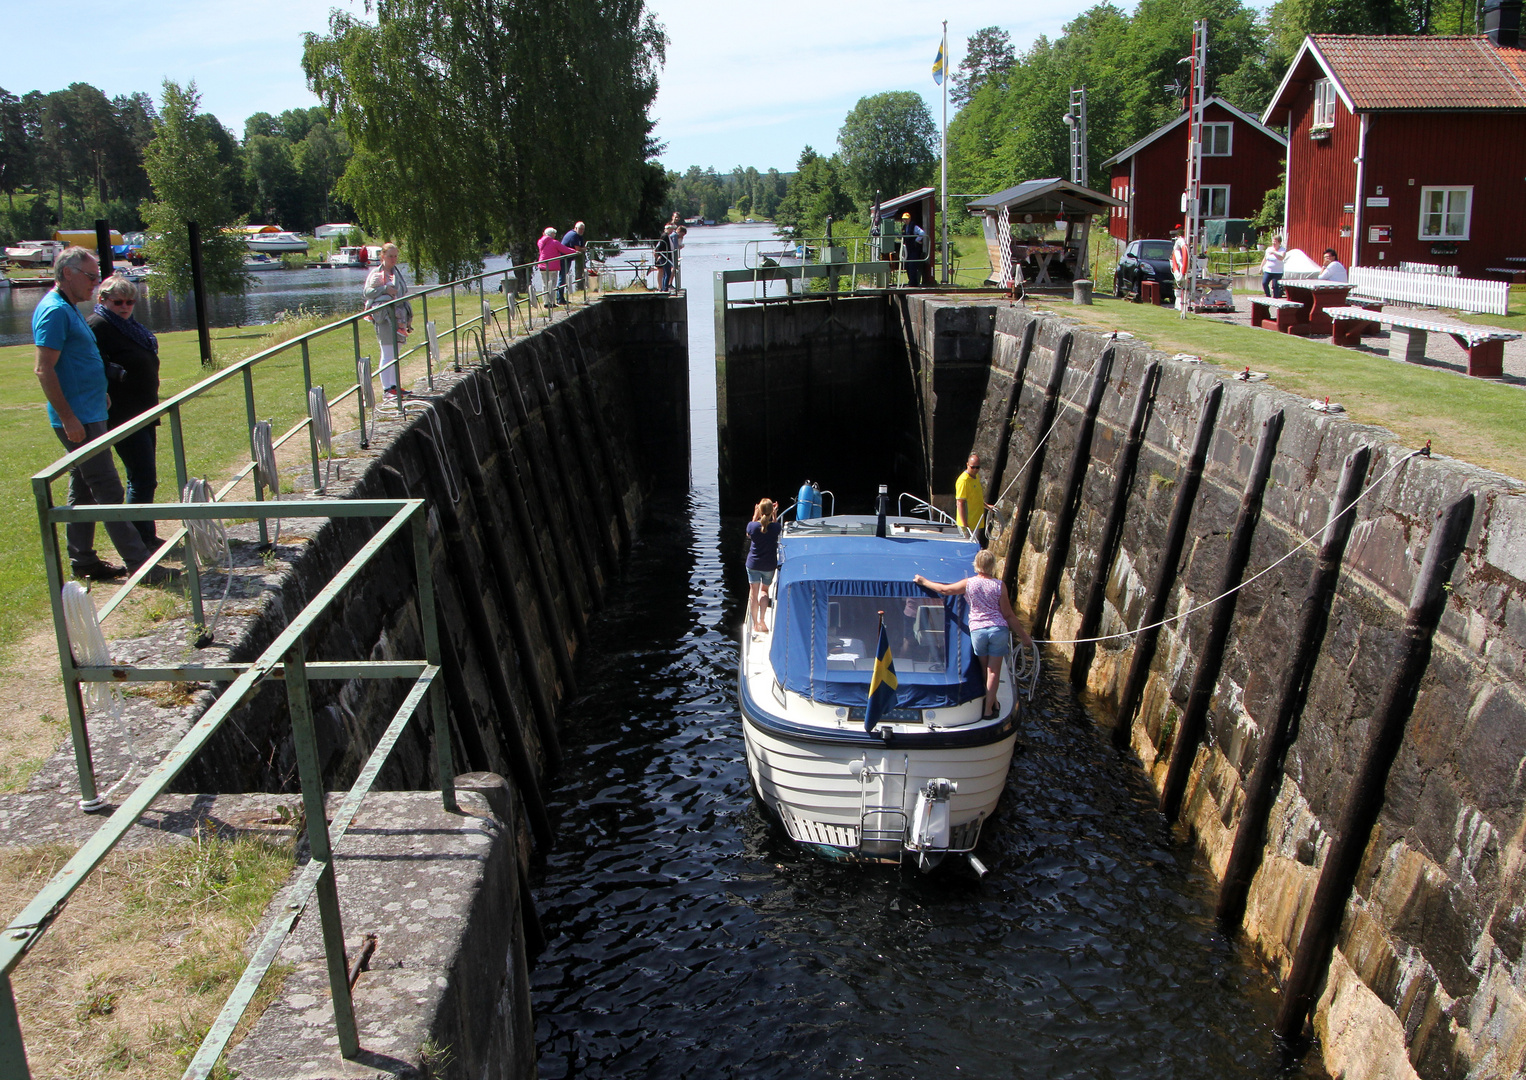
[{"x": 1427, "y": 976}]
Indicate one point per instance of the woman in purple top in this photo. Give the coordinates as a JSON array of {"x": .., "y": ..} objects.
[
  {"x": 991, "y": 617},
  {"x": 762, "y": 560}
]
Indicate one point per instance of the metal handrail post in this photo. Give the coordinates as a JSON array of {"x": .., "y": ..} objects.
[
  {"x": 306, "y": 743},
  {"x": 423, "y": 569},
  {"x": 428, "y": 352},
  {"x": 455, "y": 337},
  {"x": 12, "y": 1049},
  {"x": 79, "y": 732},
  {"x": 312, "y": 430},
  {"x": 182, "y": 477}
]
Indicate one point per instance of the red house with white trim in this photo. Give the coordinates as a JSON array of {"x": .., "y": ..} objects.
[
  {"x": 1407, "y": 149},
  {"x": 1242, "y": 161}
]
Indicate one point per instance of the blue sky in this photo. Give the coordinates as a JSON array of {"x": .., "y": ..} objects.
[{"x": 744, "y": 84}]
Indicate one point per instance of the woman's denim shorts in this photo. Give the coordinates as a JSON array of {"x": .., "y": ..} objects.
[
  {"x": 992, "y": 641},
  {"x": 760, "y": 577}
]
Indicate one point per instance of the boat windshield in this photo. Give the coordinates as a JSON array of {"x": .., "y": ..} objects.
[{"x": 917, "y": 628}]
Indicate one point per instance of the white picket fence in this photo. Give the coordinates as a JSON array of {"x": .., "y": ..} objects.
[{"x": 1433, "y": 290}]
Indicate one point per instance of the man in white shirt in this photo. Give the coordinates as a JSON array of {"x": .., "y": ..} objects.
[{"x": 1334, "y": 269}]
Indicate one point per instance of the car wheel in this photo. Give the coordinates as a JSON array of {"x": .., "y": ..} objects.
[{"x": 1118, "y": 288}]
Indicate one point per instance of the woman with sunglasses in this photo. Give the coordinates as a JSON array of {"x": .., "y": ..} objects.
[{"x": 131, "y": 354}]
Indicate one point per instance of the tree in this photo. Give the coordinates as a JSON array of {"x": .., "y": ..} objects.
[
  {"x": 818, "y": 188},
  {"x": 888, "y": 144},
  {"x": 988, "y": 55},
  {"x": 16, "y": 149},
  {"x": 189, "y": 184},
  {"x": 475, "y": 123}
]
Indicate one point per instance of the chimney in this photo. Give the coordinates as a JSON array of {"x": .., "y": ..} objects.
[{"x": 1502, "y": 22}]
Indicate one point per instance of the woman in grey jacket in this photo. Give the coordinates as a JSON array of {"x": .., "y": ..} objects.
[{"x": 394, "y": 321}]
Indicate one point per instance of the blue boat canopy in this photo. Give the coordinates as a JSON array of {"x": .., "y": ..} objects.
[{"x": 826, "y": 626}]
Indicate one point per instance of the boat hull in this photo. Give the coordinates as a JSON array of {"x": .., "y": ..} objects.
[{"x": 810, "y": 785}]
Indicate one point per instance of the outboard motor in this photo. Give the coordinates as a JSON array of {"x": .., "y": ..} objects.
[
  {"x": 881, "y": 509},
  {"x": 930, "y": 830}
]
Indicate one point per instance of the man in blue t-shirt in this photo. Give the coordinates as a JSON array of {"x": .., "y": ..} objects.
[
  {"x": 573, "y": 239},
  {"x": 73, "y": 379}
]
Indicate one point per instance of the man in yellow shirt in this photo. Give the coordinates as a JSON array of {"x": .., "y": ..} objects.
[{"x": 970, "y": 499}]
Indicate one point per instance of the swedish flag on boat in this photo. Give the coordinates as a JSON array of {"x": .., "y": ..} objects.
[
  {"x": 883, "y": 693},
  {"x": 940, "y": 64}
]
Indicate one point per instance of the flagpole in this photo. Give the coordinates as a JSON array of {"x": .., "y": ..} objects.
[{"x": 945, "y": 152}]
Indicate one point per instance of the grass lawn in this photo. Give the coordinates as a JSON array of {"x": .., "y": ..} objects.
[
  {"x": 128, "y": 980},
  {"x": 1476, "y": 420}
]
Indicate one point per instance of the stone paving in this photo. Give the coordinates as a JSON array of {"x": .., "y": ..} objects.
[{"x": 1440, "y": 350}]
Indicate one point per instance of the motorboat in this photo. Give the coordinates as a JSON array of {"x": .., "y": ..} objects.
[
  {"x": 921, "y": 781},
  {"x": 269, "y": 239},
  {"x": 259, "y": 260},
  {"x": 34, "y": 252},
  {"x": 350, "y": 256}
]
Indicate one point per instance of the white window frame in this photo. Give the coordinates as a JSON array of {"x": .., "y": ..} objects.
[
  {"x": 1229, "y": 139},
  {"x": 1324, "y": 103},
  {"x": 1466, "y": 190},
  {"x": 1206, "y": 201}
]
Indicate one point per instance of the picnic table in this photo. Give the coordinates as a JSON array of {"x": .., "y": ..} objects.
[
  {"x": 1485, "y": 345},
  {"x": 1282, "y": 312},
  {"x": 1319, "y": 297}
]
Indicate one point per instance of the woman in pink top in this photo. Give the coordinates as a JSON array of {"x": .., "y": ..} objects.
[
  {"x": 551, "y": 249},
  {"x": 991, "y": 617}
]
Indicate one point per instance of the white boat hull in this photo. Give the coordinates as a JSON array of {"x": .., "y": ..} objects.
[{"x": 810, "y": 788}]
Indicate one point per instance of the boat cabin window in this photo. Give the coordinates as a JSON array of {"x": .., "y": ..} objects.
[{"x": 917, "y": 627}]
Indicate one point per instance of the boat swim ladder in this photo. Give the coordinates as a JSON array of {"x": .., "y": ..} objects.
[{"x": 882, "y": 822}]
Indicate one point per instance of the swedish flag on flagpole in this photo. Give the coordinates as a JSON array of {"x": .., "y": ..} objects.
[
  {"x": 883, "y": 692},
  {"x": 941, "y": 63}
]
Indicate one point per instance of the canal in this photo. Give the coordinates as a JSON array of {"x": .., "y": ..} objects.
[{"x": 687, "y": 940}]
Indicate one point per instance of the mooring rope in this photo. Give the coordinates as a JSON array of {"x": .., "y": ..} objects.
[
  {"x": 1305, "y": 542},
  {"x": 208, "y": 539},
  {"x": 323, "y": 429},
  {"x": 434, "y": 430},
  {"x": 89, "y": 647},
  {"x": 367, "y": 394},
  {"x": 265, "y": 466}
]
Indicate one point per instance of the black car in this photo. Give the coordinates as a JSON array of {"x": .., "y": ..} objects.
[{"x": 1145, "y": 260}]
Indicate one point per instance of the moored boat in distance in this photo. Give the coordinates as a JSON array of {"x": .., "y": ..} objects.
[
  {"x": 272, "y": 240},
  {"x": 349, "y": 256},
  {"x": 924, "y": 779},
  {"x": 34, "y": 253}
]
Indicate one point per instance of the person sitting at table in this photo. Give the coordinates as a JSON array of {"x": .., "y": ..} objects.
[{"x": 1334, "y": 269}]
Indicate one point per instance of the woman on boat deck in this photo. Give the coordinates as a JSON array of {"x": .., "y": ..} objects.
[
  {"x": 991, "y": 617},
  {"x": 394, "y": 322},
  {"x": 762, "y": 560}
]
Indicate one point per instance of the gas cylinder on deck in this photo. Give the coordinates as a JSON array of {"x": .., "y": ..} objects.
[{"x": 807, "y": 502}]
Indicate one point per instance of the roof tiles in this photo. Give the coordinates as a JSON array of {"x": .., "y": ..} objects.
[{"x": 1392, "y": 72}]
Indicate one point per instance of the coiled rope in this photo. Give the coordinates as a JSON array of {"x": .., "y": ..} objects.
[
  {"x": 208, "y": 541},
  {"x": 367, "y": 394},
  {"x": 1305, "y": 542},
  {"x": 265, "y": 466},
  {"x": 323, "y": 430},
  {"x": 89, "y": 647}
]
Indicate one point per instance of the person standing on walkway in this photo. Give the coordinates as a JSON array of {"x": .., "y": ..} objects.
[
  {"x": 664, "y": 255},
  {"x": 970, "y": 500},
  {"x": 393, "y": 322},
  {"x": 1272, "y": 268},
  {"x": 575, "y": 240},
  {"x": 73, "y": 379},
  {"x": 915, "y": 240},
  {"x": 131, "y": 353},
  {"x": 550, "y": 250}
]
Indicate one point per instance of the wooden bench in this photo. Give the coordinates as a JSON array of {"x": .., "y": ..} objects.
[
  {"x": 1485, "y": 345},
  {"x": 1516, "y": 274},
  {"x": 1282, "y": 312}
]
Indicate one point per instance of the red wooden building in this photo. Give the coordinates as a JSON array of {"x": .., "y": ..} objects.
[
  {"x": 1242, "y": 161},
  {"x": 1406, "y": 149}
]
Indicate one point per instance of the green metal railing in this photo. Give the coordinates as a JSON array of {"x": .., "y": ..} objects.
[
  {"x": 519, "y": 308},
  {"x": 285, "y": 658},
  {"x": 522, "y": 305}
]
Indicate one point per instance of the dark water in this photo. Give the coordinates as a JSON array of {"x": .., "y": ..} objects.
[{"x": 687, "y": 940}]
